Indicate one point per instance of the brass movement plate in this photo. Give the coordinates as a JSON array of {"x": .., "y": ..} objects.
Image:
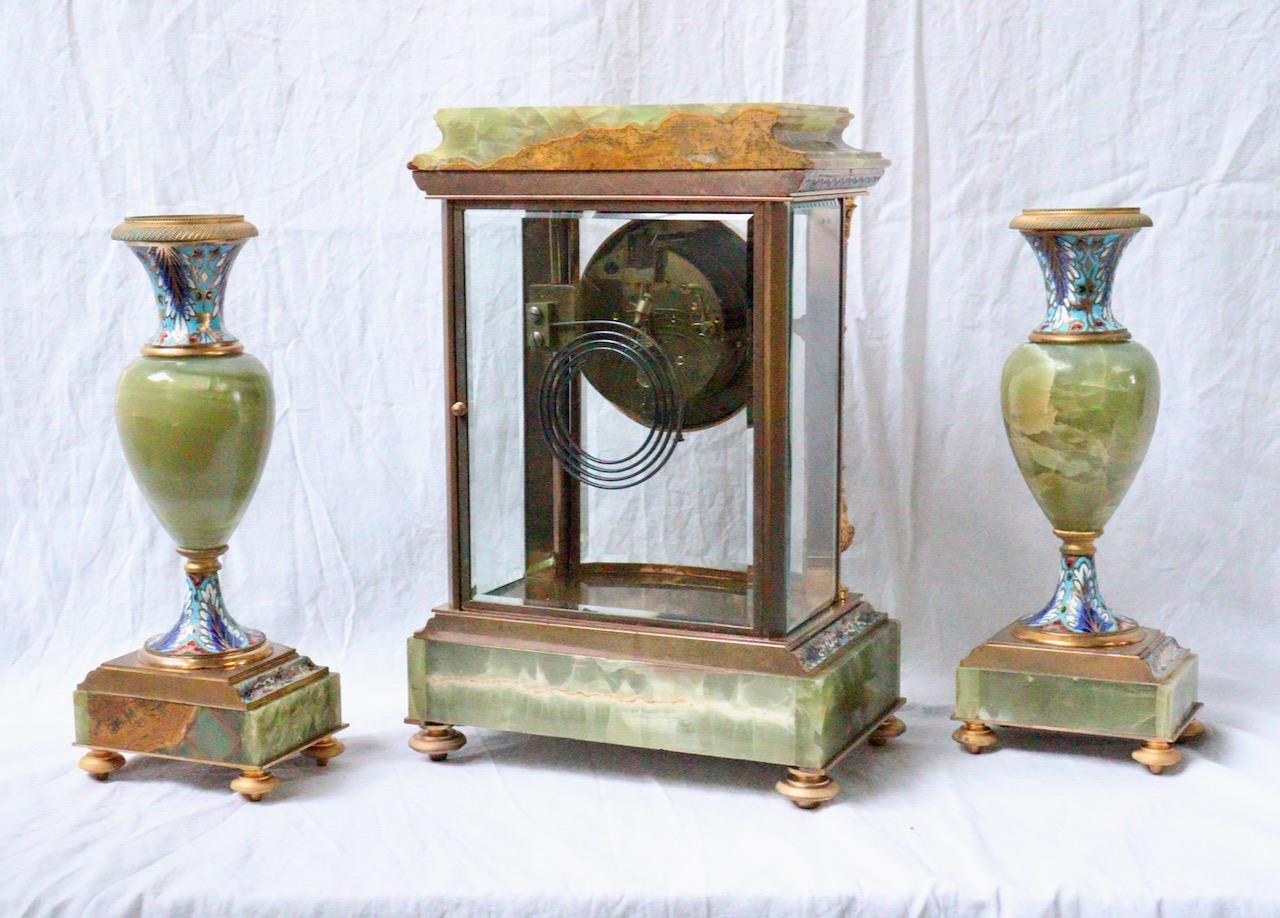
[{"x": 686, "y": 283}]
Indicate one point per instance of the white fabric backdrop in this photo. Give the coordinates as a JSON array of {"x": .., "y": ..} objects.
[{"x": 302, "y": 116}]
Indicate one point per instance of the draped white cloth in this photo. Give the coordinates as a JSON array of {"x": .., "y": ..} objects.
[{"x": 302, "y": 116}]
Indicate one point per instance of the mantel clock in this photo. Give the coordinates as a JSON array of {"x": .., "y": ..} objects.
[{"x": 643, "y": 317}]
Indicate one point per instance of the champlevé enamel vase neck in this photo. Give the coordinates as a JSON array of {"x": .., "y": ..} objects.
[
  {"x": 195, "y": 416},
  {"x": 1079, "y": 402}
]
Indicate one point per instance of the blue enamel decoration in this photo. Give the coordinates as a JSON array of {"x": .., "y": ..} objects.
[
  {"x": 1078, "y": 272},
  {"x": 190, "y": 283},
  {"x": 1077, "y": 604},
  {"x": 204, "y": 625}
]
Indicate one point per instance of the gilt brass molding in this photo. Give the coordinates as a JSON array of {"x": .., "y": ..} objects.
[
  {"x": 231, "y": 659},
  {"x": 134, "y": 675},
  {"x": 1075, "y": 544},
  {"x": 215, "y": 349},
  {"x": 1080, "y": 219},
  {"x": 704, "y": 650},
  {"x": 202, "y": 561},
  {"x": 1147, "y": 660},
  {"x": 1119, "y": 638},
  {"x": 1039, "y": 337},
  {"x": 163, "y": 228}
]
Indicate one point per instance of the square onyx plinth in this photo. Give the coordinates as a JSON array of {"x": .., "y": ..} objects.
[
  {"x": 248, "y": 717},
  {"x": 779, "y": 712},
  {"x": 1144, "y": 691}
]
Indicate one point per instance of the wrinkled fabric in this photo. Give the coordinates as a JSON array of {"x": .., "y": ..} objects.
[{"x": 302, "y": 116}]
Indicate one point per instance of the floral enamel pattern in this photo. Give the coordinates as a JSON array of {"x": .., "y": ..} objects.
[
  {"x": 1078, "y": 271},
  {"x": 1164, "y": 655},
  {"x": 285, "y": 674},
  {"x": 204, "y": 625},
  {"x": 1077, "y": 604},
  {"x": 815, "y": 651},
  {"x": 189, "y": 281}
]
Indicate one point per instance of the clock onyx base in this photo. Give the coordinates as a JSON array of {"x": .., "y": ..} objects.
[{"x": 802, "y": 706}]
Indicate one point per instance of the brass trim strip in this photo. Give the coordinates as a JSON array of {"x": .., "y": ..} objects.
[
  {"x": 1082, "y": 337},
  {"x": 217, "y": 349},
  {"x": 647, "y": 573},
  {"x": 614, "y": 197},
  {"x": 679, "y": 630},
  {"x": 559, "y": 616},
  {"x": 705, "y": 186},
  {"x": 701, "y": 650}
]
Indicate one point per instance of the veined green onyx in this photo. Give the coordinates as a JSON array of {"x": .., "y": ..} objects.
[
  {"x": 1079, "y": 418},
  {"x": 196, "y": 431}
]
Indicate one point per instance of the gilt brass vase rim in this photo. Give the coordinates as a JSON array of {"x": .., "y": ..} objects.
[
  {"x": 1051, "y": 219},
  {"x": 184, "y": 228}
]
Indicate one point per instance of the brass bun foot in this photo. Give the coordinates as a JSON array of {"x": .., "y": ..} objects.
[
  {"x": 808, "y": 788},
  {"x": 99, "y": 763},
  {"x": 975, "y": 737},
  {"x": 254, "y": 784},
  {"x": 323, "y": 750},
  {"x": 889, "y": 728},
  {"x": 1157, "y": 756},
  {"x": 1192, "y": 730},
  {"x": 437, "y": 741}
]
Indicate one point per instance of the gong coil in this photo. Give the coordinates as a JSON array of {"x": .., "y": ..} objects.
[{"x": 556, "y": 405}]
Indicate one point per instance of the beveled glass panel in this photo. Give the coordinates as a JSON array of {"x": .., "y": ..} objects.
[
  {"x": 609, "y": 451},
  {"x": 814, "y": 358},
  {"x": 495, "y": 391}
]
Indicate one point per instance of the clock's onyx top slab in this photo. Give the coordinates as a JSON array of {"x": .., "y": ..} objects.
[{"x": 702, "y": 138}]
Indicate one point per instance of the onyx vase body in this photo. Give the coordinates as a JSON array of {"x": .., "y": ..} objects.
[
  {"x": 1079, "y": 403},
  {"x": 195, "y": 416}
]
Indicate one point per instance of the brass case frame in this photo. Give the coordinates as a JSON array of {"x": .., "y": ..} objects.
[{"x": 767, "y": 197}]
